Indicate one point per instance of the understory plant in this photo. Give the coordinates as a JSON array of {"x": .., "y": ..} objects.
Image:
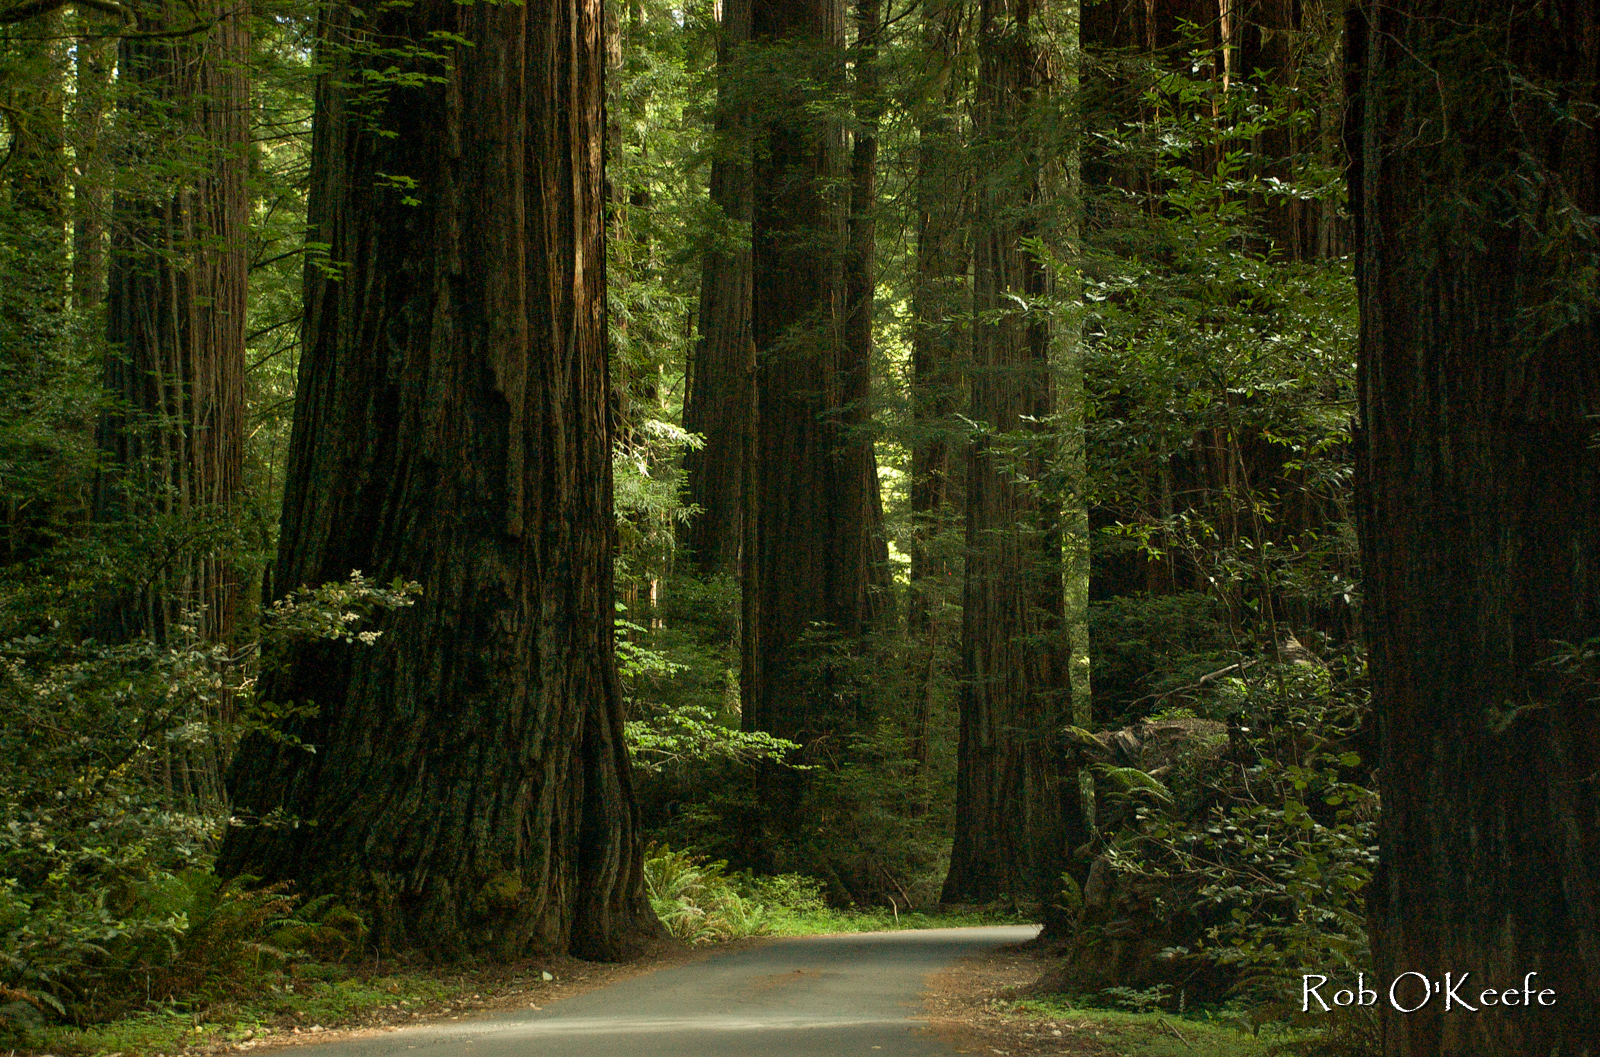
[
  {"x": 696, "y": 900},
  {"x": 111, "y": 764},
  {"x": 1271, "y": 840}
]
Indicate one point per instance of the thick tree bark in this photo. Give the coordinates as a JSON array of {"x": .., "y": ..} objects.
[
  {"x": 1016, "y": 811},
  {"x": 176, "y": 311},
  {"x": 1479, "y": 519},
  {"x": 720, "y": 400},
  {"x": 471, "y": 789},
  {"x": 818, "y": 557}
]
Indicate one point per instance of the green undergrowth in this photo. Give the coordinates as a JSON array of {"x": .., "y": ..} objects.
[
  {"x": 700, "y": 902},
  {"x": 315, "y": 998},
  {"x": 291, "y": 1006},
  {"x": 1145, "y": 1034},
  {"x": 785, "y": 922}
]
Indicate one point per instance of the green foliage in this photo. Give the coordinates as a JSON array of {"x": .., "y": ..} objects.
[
  {"x": 701, "y": 902},
  {"x": 854, "y": 810},
  {"x": 1276, "y": 846},
  {"x": 692, "y": 735},
  {"x": 1143, "y": 1032},
  {"x": 111, "y": 759},
  {"x": 312, "y": 995},
  {"x": 1219, "y": 370},
  {"x": 696, "y": 900}
]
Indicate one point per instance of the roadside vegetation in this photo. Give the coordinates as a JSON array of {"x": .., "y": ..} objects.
[
  {"x": 1129, "y": 1033},
  {"x": 700, "y": 902}
]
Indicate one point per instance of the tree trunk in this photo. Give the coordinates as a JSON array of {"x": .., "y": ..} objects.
[
  {"x": 93, "y": 66},
  {"x": 720, "y": 400},
  {"x": 818, "y": 562},
  {"x": 1479, "y": 509},
  {"x": 1015, "y": 810},
  {"x": 939, "y": 301},
  {"x": 860, "y": 261},
  {"x": 470, "y": 789},
  {"x": 176, "y": 313}
]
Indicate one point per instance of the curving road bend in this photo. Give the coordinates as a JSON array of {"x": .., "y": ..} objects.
[{"x": 823, "y": 996}]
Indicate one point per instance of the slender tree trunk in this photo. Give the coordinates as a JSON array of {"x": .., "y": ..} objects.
[
  {"x": 176, "y": 311},
  {"x": 860, "y": 262},
  {"x": 1015, "y": 809},
  {"x": 1072, "y": 455},
  {"x": 818, "y": 558},
  {"x": 93, "y": 66},
  {"x": 939, "y": 303},
  {"x": 720, "y": 400},
  {"x": 471, "y": 788},
  {"x": 1479, "y": 510}
]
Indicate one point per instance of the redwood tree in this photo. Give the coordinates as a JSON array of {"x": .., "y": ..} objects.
[
  {"x": 1475, "y": 190},
  {"x": 719, "y": 403},
  {"x": 1016, "y": 810},
  {"x": 470, "y": 788},
  {"x": 939, "y": 303},
  {"x": 818, "y": 559},
  {"x": 175, "y": 299}
]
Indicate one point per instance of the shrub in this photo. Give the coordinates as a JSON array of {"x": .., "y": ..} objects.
[
  {"x": 1275, "y": 847},
  {"x": 111, "y": 759},
  {"x": 696, "y": 900},
  {"x": 1239, "y": 861}
]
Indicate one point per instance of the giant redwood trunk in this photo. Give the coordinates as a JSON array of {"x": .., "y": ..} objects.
[
  {"x": 1015, "y": 808},
  {"x": 1479, "y": 485},
  {"x": 175, "y": 307},
  {"x": 470, "y": 788},
  {"x": 719, "y": 403},
  {"x": 817, "y": 562}
]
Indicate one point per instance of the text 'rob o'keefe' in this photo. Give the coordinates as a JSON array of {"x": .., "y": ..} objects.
[{"x": 1410, "y": 992}]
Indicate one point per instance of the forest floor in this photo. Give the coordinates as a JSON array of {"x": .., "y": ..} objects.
[
  {"x": 987, "y": 1004},
  {"x": 322, "y": 1003}
]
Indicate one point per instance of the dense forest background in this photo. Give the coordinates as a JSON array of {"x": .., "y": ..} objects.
[{"x": 926, "y": 479}]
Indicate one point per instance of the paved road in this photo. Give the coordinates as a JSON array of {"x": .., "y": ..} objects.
[{"x": 826, "y": 996}]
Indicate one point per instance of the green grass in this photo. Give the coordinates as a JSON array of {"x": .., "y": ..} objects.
[{"x": 1151, "y": 1034}]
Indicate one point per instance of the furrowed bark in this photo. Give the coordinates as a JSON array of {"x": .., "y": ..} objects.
[
  {"x": 939, "y": 305},
  {"x": 1479, "y": 508},
  {"x": 1015, "y": 807},
  {"x": 818, "y": 559},
  {"x": 175, "y": 313},
  {"x": 720, "y": 401},
  {"x": 470, "y": 790}
]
